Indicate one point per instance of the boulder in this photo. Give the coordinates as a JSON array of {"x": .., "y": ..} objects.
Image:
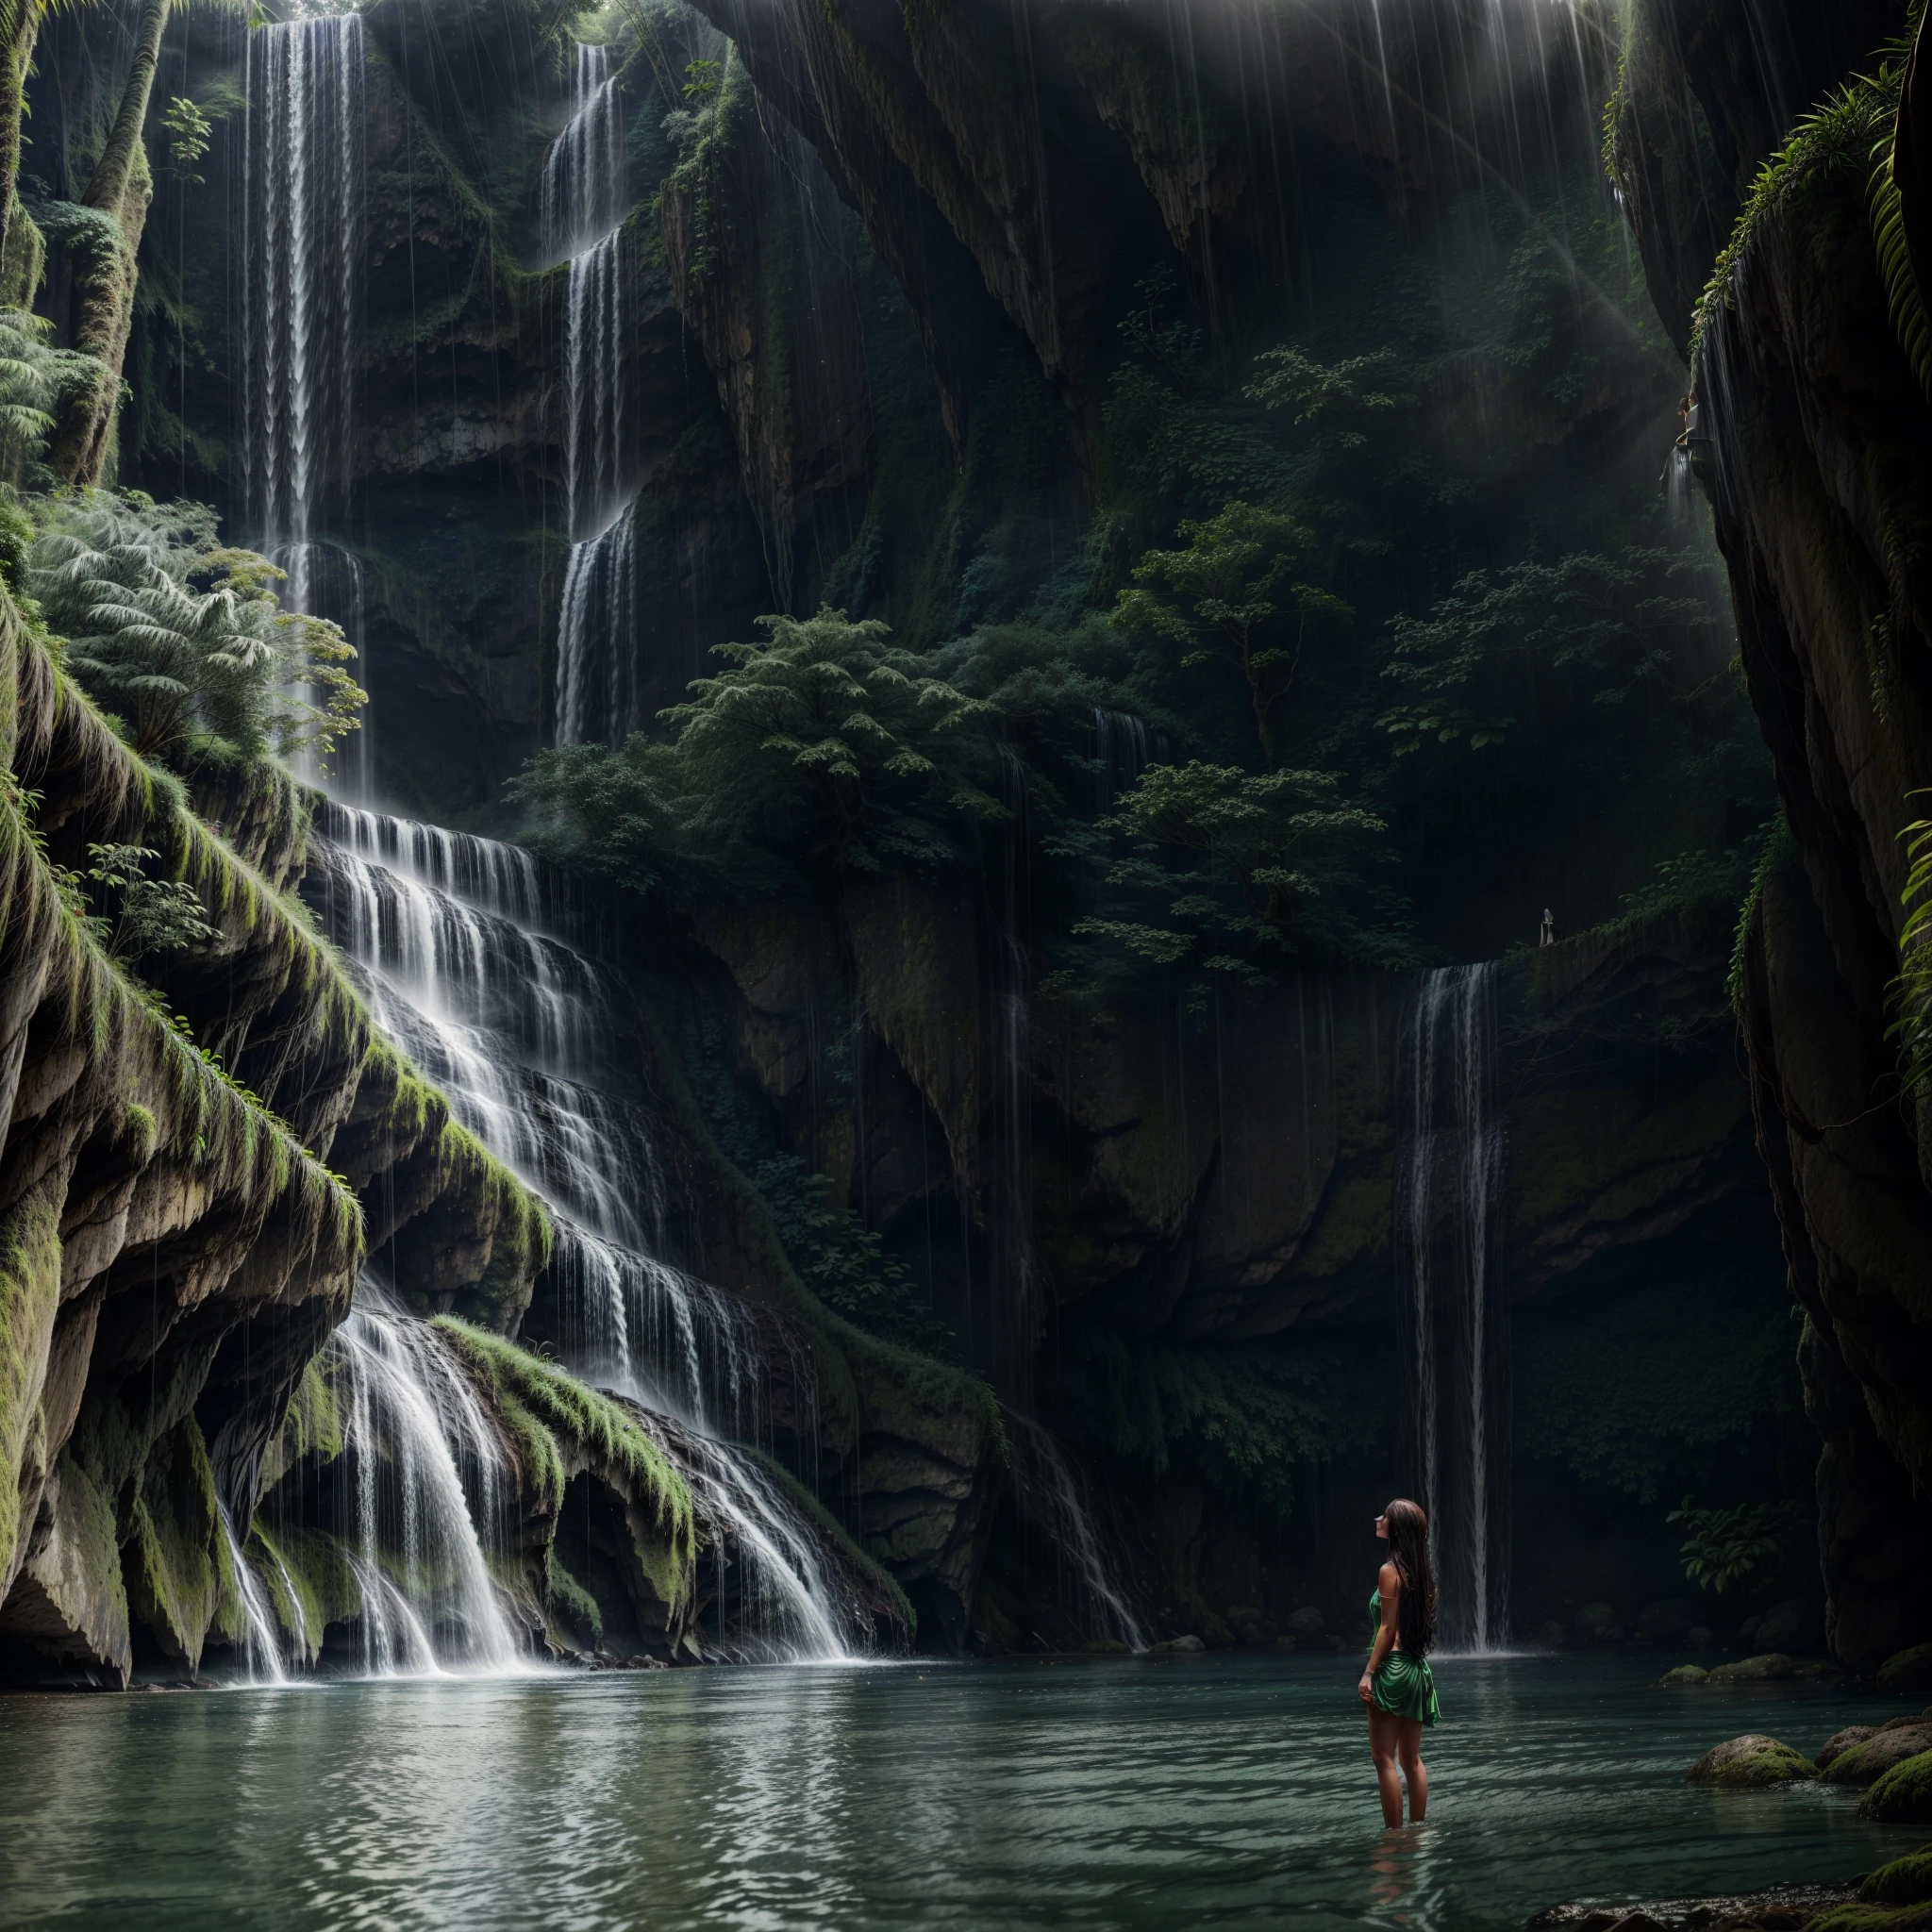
[
  {"x": 1906, "y": 1671},
  {"x": 1796, "y": 1626},
  {"x": 1250, "y": 1626},
  {"x": 1866, "y": 1761},
  {"x": 1183, "y": 1646},
  {"x": 1906, "y": 1881},
  {"x": 1598, "y": 1624},
  {"x": 1903, "y": 1795},
  {"x": 1307, "y": 1624},
  {"x": 1551, "y": 1635},
  {"x": 1700, "y": 1636},
  {"x": 1751, "y": 1762},
  {"x": 1667, "y": 1622},
  {"x": 1684, "y": 1676},
  {"x": 1841, "y": 1741},
  {"x": 1767, "y": 1669}
]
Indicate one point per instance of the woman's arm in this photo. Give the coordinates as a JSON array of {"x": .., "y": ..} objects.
[{"x": 1390, "y": 1584}]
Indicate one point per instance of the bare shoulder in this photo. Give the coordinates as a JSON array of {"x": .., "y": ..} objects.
[{"x": 1390, "y": 1580}]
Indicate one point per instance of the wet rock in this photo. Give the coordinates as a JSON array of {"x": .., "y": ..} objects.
[
  {"x": 1908, "y": 1670},
  {"x": 1699, "y": 1636},
  {"x": 1903, "y": 1795},
  {"x": 1797, "y": 1625},
  {"x": 1182, "y": 1647},
  {"x": 1667, "y": 1622},
  {"x": 1841, "y": 1741},
  {"x": 1784, "y": 1908},
  {"x": 1598, "y": 1624},
  {"x": 1767, "y": 1669},
  {"x": 1684, "y": 1676},
  {"x": 1553, "y": 1634},
  {"x": 1751, "y": 1762},
  {"x": 1867, "y": 1760},
  {"x": 1307, "y": 1624}
]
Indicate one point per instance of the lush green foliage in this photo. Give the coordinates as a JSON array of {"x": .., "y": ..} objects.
[
  {"x": 1912, "y": 990},
  {"x": 1245, "y": 1416},
  {"x": 1631, "y": 1391},
  {"x": 824, "y": 743},
  {"x": 181, "y": 637},
  {"x": 137, "y": 915},
  {"x": 1734, "y": 1548}
]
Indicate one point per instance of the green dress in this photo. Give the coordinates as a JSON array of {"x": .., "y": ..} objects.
[{"x": 1404, "y": 1685}]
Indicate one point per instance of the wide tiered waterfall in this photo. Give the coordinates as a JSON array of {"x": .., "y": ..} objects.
[
  {"x": 525, "y": 1036},
  {"x": 1448, "y": 1193},
  {"x": 584, "y": 201},
  {"x": 302, "y": 254}
]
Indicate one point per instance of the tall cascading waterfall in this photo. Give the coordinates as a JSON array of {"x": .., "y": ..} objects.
[
  {"x": 584, "y": 203},
  {"x": 302, "y": 219},
  {"x": 521, "y": 1031},
  {"x": 1456, "y": 1334}
]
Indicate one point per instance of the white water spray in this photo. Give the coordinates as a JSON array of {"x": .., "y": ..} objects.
[{"x": 1052, "y": 1497}]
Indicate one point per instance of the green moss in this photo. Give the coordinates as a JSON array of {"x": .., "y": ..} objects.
[
  {"x": 537, "y": 1395},
  {"x": 1906, "y": 1881},
  {"x": 880, "y": 1579},
  {"x": 571, "y": 1598},
  {"x": 1903, "y": 1795},
  {"x": 29, "y": 1299},
  {"x": 1751, "y": 1763},
  {"x": 176, "y": 1558}
]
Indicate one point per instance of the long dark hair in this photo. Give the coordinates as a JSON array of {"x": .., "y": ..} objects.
[{"x": 1409, "y": 1550}]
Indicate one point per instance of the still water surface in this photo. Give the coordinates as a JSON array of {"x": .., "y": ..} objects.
[{"x": 1224, "y": 1792}]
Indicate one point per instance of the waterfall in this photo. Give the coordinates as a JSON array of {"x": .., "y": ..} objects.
[
  {"x": 302, "y": 265},
  {"x": 262, "y": 1650},
  {"x": 524, "y": 1035},
  {"x": 596, "y": 634},
  {"x": 414, "y": 1429},
  {"x": 301, "y": 244},
  {"x": 584, "y": 200},
  {"x": 1123, "y": 749},
  {"x": 583, "y": 190},
  {"x": 1053, "y": 1498},
  {"x": 1448, "y": 1195}
]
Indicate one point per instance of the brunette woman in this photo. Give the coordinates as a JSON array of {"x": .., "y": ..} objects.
[{"x": 1398, "y": 1686}]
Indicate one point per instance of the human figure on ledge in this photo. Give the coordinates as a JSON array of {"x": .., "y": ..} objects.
[
  {"x": 1398, "y": 1686},
  {"x": 1548, "y": 936}
]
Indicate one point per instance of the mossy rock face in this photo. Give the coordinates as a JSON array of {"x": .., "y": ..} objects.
[
  {"x": 1903, "y": 1795},
  {"x": 1843, "y": 1740},
  {"x": 1868, "y": 1760},
  {"x": 1873, "y": 1918},
  {"x": 1751, "y": 1762},
  {"x": 1684, "y": 1676},
  {"x": 1906, "y": 1881},
  {"x": 1906, "y": 1671}
]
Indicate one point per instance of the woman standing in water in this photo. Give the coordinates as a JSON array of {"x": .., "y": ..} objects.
[{"x": 1398, "y": 1686}]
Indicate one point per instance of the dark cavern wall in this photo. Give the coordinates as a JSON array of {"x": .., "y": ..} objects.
[{"x": 1096, "y": 1072}]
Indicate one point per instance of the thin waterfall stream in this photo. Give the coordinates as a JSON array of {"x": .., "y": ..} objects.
[{"x": 1448, "y": 1195}]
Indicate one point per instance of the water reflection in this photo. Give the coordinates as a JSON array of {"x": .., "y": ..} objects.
[{"x": 1119, "y": 1793}]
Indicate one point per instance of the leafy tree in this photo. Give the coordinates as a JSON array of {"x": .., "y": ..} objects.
[
  {"x": 1617, "y": 623},
  {"x": 824, "y": 742},
  {"x": 180, "y": 637},
  {"x": 1238, "y": 594},
  {"x": 1233, "y": 872},
  {"x": 1337, "y": 399}
]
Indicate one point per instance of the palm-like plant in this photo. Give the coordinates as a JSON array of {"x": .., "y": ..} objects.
[{"x": 178, "y": 636}]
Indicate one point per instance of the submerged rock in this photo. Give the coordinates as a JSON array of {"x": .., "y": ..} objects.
[
  {"x": 1750, "y": 1762},
  {"x": 1783, "y": 1908}
]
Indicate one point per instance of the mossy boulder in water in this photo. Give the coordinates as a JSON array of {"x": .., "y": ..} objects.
[
  {"x": 1767, "y": 1669},
  {"x": 1841, "y": 1741},
  {"x": 1906, "y": 1671},
  {"x": 1684, "y": 1676},
  {"x": 1904, "y": 1795},
  {"x": 1906, "y": 1881},
  {"x": 1867, "y": 1760},
  {"x": 1750, "y": 1762}
]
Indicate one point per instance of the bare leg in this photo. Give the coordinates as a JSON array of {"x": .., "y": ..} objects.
[
  {"x": 1410, "y": 1750},
  {"x": 1384, "y": 1741}
]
